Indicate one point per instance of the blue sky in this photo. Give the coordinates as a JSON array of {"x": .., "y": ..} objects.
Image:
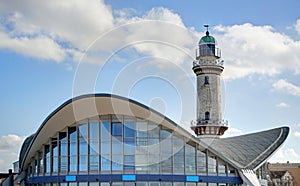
[{"x": 55, "y": 50}]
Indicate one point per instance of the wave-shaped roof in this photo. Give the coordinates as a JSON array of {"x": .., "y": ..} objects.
[{"x": 251, "y": 150}]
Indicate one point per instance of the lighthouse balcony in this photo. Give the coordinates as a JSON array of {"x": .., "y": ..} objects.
[
  {"x": 221, "y": 123},
  {"x": 208, "y": 62}
]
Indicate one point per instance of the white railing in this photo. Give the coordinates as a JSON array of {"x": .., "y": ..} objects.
[
  {"x": 208, "y": 62},
  {"x": 209, "y": 122}
]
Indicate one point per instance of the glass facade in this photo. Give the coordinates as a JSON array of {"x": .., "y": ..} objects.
[{"x": 117, "y": 145}]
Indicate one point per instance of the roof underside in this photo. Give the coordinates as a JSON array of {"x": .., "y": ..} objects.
[{"x": 251, "y": 150}]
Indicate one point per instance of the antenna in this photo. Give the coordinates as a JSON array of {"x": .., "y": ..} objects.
[{"x": 206, "y": 26}]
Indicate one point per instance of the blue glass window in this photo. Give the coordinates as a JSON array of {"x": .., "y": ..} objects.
[
  {"x": 129, "y": 163},
  {"x": 117, "y": 163},
  {"x": 129, "y": 129},
  {"x": 117, "y": 129},
  {"x": 105, "y": 130},
  {"x": 105, "y": 163}
]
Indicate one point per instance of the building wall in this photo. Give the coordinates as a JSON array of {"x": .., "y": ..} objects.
[
  {"x": 293, "y": 168},
  {"x": 108, "y": 147}
]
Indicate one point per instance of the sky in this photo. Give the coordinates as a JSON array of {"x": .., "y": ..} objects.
[{"x": 51, "y": 51}]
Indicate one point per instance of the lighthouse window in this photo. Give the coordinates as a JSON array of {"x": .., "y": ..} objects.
[
  {"x": 207, "y": 115},
  {"x": 206, "y": 80}
]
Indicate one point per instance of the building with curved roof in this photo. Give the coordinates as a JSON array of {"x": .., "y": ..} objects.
[{"x": 104, "y": 140}]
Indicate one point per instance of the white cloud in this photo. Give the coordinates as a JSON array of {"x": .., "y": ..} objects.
[
  {"x": 297, "y": 26},
  {"x": 39, "y": 47},
  {"x": 285, "y": 86},
  {"x": 297, "y": 134},
  {"x": 282, "y": 105},
  {"x": 232, "y": 132},
  {"x": 284, "y": 155},
  {"x": 250, "y": 49},
  {"x": 61, "y": 29},
  {"x": 9, "y": 150}
]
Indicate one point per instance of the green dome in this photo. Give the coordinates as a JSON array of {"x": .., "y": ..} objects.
[{"x": 207, "y": 39}]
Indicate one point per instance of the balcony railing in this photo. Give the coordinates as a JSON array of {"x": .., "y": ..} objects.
[
  {"x": 209, "y": 122},
  {"x": 203, "y": 62}
]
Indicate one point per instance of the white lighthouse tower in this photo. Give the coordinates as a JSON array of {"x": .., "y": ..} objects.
[{"x": 208, "y": 67}]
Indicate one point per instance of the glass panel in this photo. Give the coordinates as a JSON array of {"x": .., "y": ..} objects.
[
  {"x": 54, "y": 149},
  {"x": 82, "y": 131},
  {"x": 82, "y": 184},
  {"x": 117, "y": 184},
  {"x": 63, "y": 164},
  {"x": 83, "y": 163},
  {"x": 94, "y": 163},
  {"x": 212, "y": 165},
  {"x": 178, "y": 145},
  {"x": 94, "y": 184},
  {"x": 221, "y": 168},
  {"x": 105, "y": 130},
  {"x": 63, "y": 152},
  {"x": 105, "y": 144},
  {"x": 105, "y": 163},
  {"x": 47, "y": 158},
  {"x": 141, "y": 129},
  {"x": 190, "y": 159},
  {"x": 41, "y": 164},
  {"x": 141, "y": 183},
  {"x": 105, "y": 147},
  {"x": 129, "y": 163},
  {"x": 117, "y": 146},
  {"x": 129, "y": 129},
  {"x": 201, "y": 162},
  {"x": 129, "y": 146},
  {"x": 166, "y": 184},
  {"x": 178, "y": 184},
  {"x": 94, "y": 130},
  {"x": 73, "y": 163},
  {"x": 117, "y": 163},
  {"x": 166, "y": 164},
  {"x": 83, "y": 147},
  {"x": 63, "y": 144},
  {"x": 104, "y": 184},
  {"x": 72, "y": 140},
  {"x": 154, "y": 184},
  {"x": 94, "y": 147},
  {"x": 190, "y": 184},
  {"x": 117, "y": 129},
  {"x": 178, "y": 163}
]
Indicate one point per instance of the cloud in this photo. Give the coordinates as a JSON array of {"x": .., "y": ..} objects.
[
  {"x": 232, "y": 132},
  {"x": 39, "y": 47},
  {"x": 48, "y": 30},
  {"x": 9, "y": 150},
  {"x": 250, "y": 49},
  {"x": 297, "y": 134},
  {"x": 282, "y": 105},
  {"x": 297, "y": 26},
  {"x": 58, "y": 30},
  {"x": 284, "y": 155},
  {"x": 285, "y": 86}
]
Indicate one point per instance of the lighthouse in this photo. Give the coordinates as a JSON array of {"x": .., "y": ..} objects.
[{"x": 208, "y": 67}]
